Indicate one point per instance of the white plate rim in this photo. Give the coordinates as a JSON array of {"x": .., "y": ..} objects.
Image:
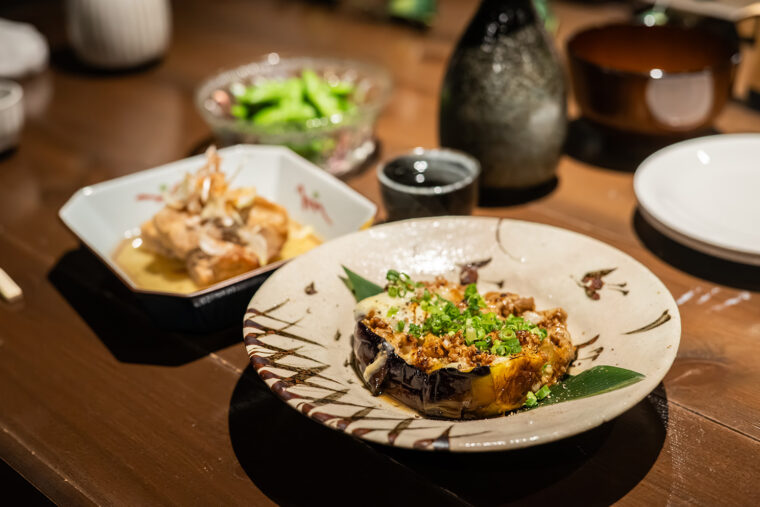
[{"x": 666, "y": 225}]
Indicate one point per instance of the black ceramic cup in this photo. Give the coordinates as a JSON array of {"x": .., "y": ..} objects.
[{"x": 426, "y": 183}]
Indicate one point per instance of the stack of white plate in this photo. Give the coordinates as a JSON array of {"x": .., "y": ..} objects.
[{"x": 705, "y": 194}]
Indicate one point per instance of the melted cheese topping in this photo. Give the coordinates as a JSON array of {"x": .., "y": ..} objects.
[{"x": 382, "y": 303}]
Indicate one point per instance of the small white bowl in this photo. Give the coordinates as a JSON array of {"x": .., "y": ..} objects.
[{"x": 11, "y": 113}]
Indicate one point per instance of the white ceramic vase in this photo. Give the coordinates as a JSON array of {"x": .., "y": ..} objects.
[{"x": 117, "y": 34}]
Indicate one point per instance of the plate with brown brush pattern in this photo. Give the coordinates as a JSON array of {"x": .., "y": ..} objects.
[{"x": 299, "y": 326}]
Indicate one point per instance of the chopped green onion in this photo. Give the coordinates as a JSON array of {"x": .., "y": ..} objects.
[
  {"x": 485, "y": 329},
  {"x": 400, "y": 326},
  {"x": 482, "y": 344},
  {"x": 512, "y": 346},
  {"x": 507, "y": 333},
  {"x": 393, "y": 310},
  {"x": 400, "y": 284},
  {"x": 474, "y": 300},
  {"x": 543, "y": 392},
  {"x": 530, "y": 400}
]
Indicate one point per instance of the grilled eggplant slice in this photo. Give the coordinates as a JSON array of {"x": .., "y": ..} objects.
[{"x": 462, "y": 368}]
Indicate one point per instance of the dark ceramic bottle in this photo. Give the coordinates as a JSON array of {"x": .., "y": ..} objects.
[{"x": 503, "y": 97}]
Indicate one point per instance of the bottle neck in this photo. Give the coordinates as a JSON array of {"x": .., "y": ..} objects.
[
  {"x": 503, "y": 4},
  {"x": 507, "y": 12},
  {"x": 495, "y": 18}
]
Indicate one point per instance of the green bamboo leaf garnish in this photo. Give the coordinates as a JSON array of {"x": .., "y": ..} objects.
[
  {"x": 360, "y": 286},
  {"x": 596, "y": 380}
]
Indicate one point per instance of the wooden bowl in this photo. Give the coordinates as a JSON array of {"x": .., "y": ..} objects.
[{"x": 661, "y": 80}]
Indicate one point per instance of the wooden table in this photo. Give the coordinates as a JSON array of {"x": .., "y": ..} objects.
[{"x": 98, "y": 405}]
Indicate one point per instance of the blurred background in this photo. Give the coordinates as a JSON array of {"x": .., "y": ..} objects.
[{"x": 192, "y": 40}]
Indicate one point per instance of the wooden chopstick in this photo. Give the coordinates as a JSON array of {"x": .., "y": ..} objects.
[{"x": 8, "y": 288}]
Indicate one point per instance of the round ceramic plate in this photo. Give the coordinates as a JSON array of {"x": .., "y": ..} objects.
[
  {"x": 299, "y": 324},
  {"x": 703, "y": 193}
]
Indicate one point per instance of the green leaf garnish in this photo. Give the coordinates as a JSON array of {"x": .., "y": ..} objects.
[
  {"x": 596, "y": 380},
  {"x": 360, "y": 286}
]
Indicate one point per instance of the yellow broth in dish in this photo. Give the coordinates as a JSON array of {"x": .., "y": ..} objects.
[{"x": 152, "y": 271}]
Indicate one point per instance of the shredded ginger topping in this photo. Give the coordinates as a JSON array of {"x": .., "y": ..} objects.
[{"x": 217, "y": 231}]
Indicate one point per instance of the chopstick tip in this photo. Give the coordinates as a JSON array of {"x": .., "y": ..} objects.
[{"x": 9, "y": 289}]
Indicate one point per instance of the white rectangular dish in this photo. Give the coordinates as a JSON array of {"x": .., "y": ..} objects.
[{"x": 103, "y": 215}]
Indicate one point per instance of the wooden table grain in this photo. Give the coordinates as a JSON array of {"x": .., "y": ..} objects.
[{"x": 100, "y": 406}]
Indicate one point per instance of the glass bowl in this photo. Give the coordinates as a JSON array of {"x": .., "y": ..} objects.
[{"x": 337, "y": 144}]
